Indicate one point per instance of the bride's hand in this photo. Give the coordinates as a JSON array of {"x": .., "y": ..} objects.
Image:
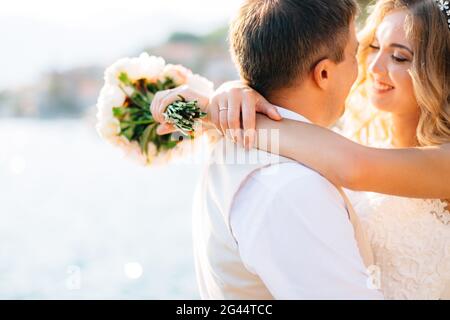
[
  {"x": 165, "y": 98},
  {"x": 234, "y": 101}
]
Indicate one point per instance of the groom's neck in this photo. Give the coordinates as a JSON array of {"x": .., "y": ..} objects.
[{"x": 305, "y": 102}]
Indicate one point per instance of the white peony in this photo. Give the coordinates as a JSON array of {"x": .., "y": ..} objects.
[
  {"x": 112, "y": 73},
  {"x": 108, "y": 129},
  {"x": 110, "y": 97},
  {"x": 120, "y": 141},
  {"x": 163, "y": 158},
  {"x": 143, "y": 67},
  {"x": 177, "y": 73},
  {"x": 134, "y": 153},
  {"x": 200, "y": 84},
  {"x": 150, "y": 66}
]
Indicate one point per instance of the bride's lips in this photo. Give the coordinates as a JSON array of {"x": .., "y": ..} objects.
[{"x": 381, "y": 87}]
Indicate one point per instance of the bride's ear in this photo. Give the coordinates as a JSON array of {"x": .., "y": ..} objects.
[{"x": 322, "y": 73}]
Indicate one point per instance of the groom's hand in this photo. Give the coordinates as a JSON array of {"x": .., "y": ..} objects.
[
  {"x": 234, "y": 101},
  {"x": 163, "y": 99}
]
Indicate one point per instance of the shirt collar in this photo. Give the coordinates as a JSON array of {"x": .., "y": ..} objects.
[{"x": 288, "y": 114}]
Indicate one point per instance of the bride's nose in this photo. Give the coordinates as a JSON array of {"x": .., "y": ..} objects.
[{"x": 377, "y": 64}]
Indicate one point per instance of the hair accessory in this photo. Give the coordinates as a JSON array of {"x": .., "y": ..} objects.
[{"x": 444, "y": 6}]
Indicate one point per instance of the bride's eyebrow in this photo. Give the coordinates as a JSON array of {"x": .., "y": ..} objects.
[{"x": 397, "y": 45}]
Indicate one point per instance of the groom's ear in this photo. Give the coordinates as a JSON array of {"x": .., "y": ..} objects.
[{"x": 322, "y": 73}]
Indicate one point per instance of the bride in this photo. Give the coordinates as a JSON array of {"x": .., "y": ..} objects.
[{"x": 405, "y": 76}]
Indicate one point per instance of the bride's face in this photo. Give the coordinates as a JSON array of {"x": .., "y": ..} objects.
[{"x": 389, "y": 62}]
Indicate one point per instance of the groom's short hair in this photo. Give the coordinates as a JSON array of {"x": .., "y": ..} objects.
[{"x": 276, "y": 43}]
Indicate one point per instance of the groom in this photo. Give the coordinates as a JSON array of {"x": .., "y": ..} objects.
[{"x": 266, "y": 227}]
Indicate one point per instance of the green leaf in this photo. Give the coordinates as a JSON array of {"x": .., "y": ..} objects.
[
  {"x": 153, "y": 88},
  {"x": 145, "y": 138},
  {"x": 123, "y": 77},
  {"x": 169, "y": 83},
  {"x": 119, "y": 112},
  {"x": 128, "y": 133},
  {"x": 170, "y": 144},
  {"x": 140, "y": 100}
]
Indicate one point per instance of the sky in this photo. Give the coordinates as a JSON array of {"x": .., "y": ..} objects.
[{"x": 44, "y": 35}]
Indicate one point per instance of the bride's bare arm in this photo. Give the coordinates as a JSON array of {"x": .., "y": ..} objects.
[{"x": 412, "y": 172}]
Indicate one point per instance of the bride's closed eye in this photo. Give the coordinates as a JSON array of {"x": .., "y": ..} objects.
[{"x": 398, "y": 58}]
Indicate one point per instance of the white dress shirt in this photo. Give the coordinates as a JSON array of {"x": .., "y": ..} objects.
[{"x": 293, "y": 231}]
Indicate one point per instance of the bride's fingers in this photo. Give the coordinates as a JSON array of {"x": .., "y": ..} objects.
[
  {"x": 213, "y": 112},
  {"x": 165, "y": 128},
  {"x": 265, "y": 107},
  {"x": 234, "y": 116},
  {"x": 223, "y": 115},
  {"x": 249, "y": 119},
  {"x": 155, "y": 106}
]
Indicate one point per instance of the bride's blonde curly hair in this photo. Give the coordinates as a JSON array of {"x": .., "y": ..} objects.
[{"x": 428, "y": 31}]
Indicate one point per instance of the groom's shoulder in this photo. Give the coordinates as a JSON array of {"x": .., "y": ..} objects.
[
  {"x": 287, "y": 173},
  {"x": 294, "y": 178},
  {"x": 287, "y": 186}
]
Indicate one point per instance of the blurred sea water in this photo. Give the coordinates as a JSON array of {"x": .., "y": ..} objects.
[{"x": 74, "y": 213}]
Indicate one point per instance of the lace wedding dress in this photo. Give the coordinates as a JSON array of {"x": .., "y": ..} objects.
[{"x": 410, "y": 239}]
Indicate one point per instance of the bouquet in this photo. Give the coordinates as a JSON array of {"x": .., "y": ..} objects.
[{"x": 124, "y": 116}]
